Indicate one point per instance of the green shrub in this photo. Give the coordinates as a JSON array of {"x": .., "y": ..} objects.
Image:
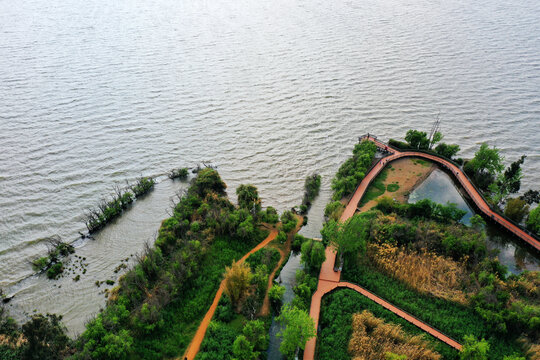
[
  {"x": 333, "y": 210},
  {"x": 312, "y": 186},
  {"x": 270, "y": 215},
  {"x": 55, "y": 270},
  {"x": 392, "y": 187},
  {"x": 41, "y": 263},
  {"x": 276, "y": 296},
  {"x": 288, "y": 221},
  {"x": 354, "y": 169},
  {"x": 143, "y": 185},
  {"x": 181, "y": 173},
  {"x": 281, "y": 237}
]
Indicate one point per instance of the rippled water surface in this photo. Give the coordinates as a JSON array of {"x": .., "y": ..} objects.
[{"x": 94, "y": 93}]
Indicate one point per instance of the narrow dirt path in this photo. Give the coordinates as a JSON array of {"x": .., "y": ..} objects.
[{"x": 196, "y": 342}]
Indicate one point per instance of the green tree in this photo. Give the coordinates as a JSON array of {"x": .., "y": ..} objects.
[
  {"x": 312, "y": 254},
  {"x": 417, "y": 139},
  {"x": 275, "y": 294},
  {"x": 248, "y": 198},
  {"x": 531, "y": 196},
  {"x": 46, "y": 338},
  {"x": 447, "y": 150},
  {"x": 288, "y": 221},
  {"x": 298, "y": 329},
  {"x": 533, "y": 221},
  {"x": 270, "y": 216},
  {"x": 333, "y": 210},
  {"x": 438, "y": 136},
  {"x": 208, "y": 180},
  {"x": 246, "y": 229},
  {"x": 513, "y": 175},
  {"x": 256, "y": 334},
  {"x": 281, "y": 237},
  {"x": 516, "y": 209},
  {"x": 477, "y": 222},
  {"x": 352, "y": 235},
  {"x": 487, "y": 160},
  {"x": 473, "y": 349},
  {"x": 243, "y": 349},
  {"x": 329, "y": 231}
]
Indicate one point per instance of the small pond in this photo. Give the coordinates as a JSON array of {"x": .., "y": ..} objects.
[{"x": 440, "y": 188}]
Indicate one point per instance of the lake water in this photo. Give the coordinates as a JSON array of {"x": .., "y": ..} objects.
[{"x": 96, "y": 93}]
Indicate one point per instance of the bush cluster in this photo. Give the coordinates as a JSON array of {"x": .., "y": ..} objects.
[
  {"x": 312, "y": 186},
  {"x": 180, "y": 173},
  {"x": 51, "y": 263},
  {"x": 354, "y": 169},
  {"x": 288, "y": 221},
  {"x": 106, "y": 211}
]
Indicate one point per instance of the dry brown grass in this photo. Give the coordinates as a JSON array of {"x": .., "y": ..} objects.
[
  {"x": 424, "y": 271},
  {"x": 12, "y": 342},
  {"x": 534, "y": 352},
  {"x": 372, "y": 338}
]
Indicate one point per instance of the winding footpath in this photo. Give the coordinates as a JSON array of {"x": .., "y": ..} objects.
[
  {"x": 196, "y": 342},
  {"x": 330, "y": 279}
]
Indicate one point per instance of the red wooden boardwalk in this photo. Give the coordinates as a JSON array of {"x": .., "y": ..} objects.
[{"x": 330, "y": 279}]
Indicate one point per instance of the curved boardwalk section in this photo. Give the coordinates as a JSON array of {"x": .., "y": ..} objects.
[
  {"x": 196, "y": 342},
  {"x": 457, "y": 173},
  {"x": 330, "y": 279}
]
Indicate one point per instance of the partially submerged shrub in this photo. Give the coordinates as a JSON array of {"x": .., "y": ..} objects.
[
  {"x": 143, "y": 185},
  {"x": 55, "y": 270},
  {"x": 181, "y": 173}
]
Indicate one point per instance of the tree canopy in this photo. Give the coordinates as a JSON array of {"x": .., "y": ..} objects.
[
  {"x": 248, "y": 198},
  {"x": 417, "y": 139},
  {"x": 208, "y": 180},
  {"x": 516, "y": 209},
  {"x": 237, "y": 281},
  {"x": 298, "y": 329},
  {"x": 487, "y": 160},
  {"x": 474, "y": 349}
]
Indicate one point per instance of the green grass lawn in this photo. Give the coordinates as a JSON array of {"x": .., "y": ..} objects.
[{"x": 375, "y": 189}]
